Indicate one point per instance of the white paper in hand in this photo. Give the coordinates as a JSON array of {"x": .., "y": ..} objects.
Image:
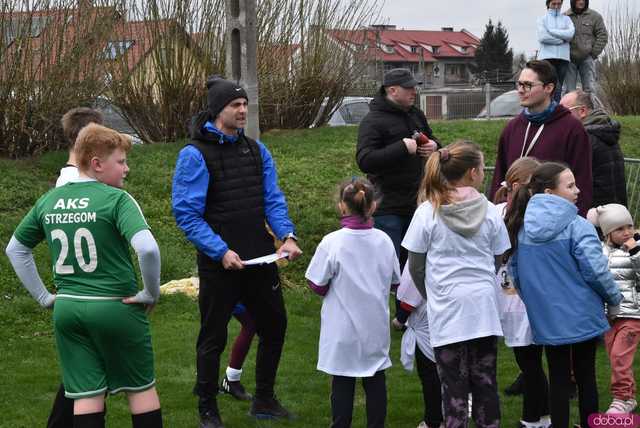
[{"x": 264, "y": 260}]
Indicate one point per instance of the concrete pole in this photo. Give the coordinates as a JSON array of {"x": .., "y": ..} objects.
[
  {"x": 241, "y": 64},
  {"x": 487, "y": 99}
]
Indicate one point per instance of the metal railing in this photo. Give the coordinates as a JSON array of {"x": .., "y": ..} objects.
[{"x": 632, "y": 175}]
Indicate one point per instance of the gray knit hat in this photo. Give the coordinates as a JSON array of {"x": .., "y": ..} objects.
[{"x": 609, "y": 217}]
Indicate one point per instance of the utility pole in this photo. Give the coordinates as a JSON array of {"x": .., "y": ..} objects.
[{"x": 241, "y": 64}]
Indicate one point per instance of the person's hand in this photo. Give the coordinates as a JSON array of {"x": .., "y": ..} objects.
[
  {"x": 411, "y": 145},
  {"x": 425, "y": 150},
  {"x": 612, "y": 312},
  {"x": 630, "y": 243},
  {"x": 142, "y": 298},
  {"x": 148, "y": 307},
  {"x": 290, "y": 246},
  {"x": 232, "y": 261}
]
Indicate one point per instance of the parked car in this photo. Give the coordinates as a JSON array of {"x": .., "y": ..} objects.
[
  {"x": 350, "y": 112},
  {"x": 508, "y": 105},
  {"x": 504, "y": 105}
]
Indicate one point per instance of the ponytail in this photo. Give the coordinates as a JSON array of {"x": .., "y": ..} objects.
[
  {"x": 359, "y": 195},
  {"x": 444, "y": 168},
  {"x": 514, "y": 218}
]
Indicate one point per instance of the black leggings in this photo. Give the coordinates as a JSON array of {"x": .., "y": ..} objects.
[
  {"x": 342, "y": 394},
  {"x": 584, "y": 369},
  {"x": 431, "y": 389},
  {"x": 535, "y": 397}
]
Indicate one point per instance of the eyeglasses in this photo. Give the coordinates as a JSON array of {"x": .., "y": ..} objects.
[{"x": 527, "y": 86}]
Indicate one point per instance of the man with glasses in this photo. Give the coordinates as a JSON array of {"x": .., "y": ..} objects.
[
  {"x": 544, "y": 130},
  {"x": 609, "y": 185}
]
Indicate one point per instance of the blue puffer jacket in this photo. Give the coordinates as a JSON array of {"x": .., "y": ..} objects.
[
  {"x": 561, "y": 273},
  {"x": 555, "y": 32}
]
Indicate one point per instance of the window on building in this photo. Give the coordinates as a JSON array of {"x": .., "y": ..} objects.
[
  {"x": 435, "y": 49},
  {"x": 116, "y": 48}
]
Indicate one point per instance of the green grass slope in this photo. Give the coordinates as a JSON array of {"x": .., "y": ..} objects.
[{"x": 310, "y": 164}]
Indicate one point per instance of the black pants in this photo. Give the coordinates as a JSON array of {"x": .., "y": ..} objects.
[
  {"x": 584, "y": 370},
  {"x": 561, "y": 66},
  {"x": 535, "y": 397},
  {"x": 431, "y": 389},
  {"x": 342, "y": 394},
  {"x": 259, "y": 289},
  {"x": 62, "y": 411}
]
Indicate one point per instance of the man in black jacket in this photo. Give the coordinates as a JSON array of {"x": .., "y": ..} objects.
[
  {"x": 609, "y": 184},
  {"x": 391, "y": 157}
]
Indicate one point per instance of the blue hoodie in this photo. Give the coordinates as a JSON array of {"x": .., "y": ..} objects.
[{"x": 561, "y": 273}]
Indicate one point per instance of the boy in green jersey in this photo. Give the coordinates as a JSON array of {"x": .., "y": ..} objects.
[{"x": 100, "y": 324}]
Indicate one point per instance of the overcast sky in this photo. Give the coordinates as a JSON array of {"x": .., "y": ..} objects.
[{"x": 518, "y": 16}]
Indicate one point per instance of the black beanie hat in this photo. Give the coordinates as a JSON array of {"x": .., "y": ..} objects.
[{"x": 220, "y": 93}]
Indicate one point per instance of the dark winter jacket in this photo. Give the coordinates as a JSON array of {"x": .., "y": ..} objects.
[
  {"x": 591, "y": 34},
  {"x": 563, "y": 139},
  {"x": 383, "y": 156},
  {"x": 609, "y": 185}
]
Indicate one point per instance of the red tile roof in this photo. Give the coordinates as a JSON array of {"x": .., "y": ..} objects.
[{"x": 391, "y": 45}]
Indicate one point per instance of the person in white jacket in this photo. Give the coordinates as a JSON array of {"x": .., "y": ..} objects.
[{"x": 555, "y": 32}]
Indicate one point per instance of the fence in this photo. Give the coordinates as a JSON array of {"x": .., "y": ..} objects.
[
  {"x": 632, "y": 175},
  {"x": 468, "y": 103}
]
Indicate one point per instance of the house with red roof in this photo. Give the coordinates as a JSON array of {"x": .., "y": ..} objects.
[
  {"x": 97, "y": 42},
  {"x": 437, "y": 58}
]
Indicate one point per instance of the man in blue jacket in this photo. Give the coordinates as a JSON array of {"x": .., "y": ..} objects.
[{"x": 224, "y": 190}]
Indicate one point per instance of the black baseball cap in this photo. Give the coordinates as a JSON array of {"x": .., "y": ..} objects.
[{"x": 400, "y": 77}]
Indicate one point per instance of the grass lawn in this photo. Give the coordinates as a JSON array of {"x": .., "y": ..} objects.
[{"x": 310, "y": 164}]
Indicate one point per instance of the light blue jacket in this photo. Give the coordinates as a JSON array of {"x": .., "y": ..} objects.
[
  {"x": 555, "y": 32},
  {"x": 561, "y": 273}
]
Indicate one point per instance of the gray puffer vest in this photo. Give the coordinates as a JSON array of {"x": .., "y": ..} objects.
[{"x": 625, "y": 269}]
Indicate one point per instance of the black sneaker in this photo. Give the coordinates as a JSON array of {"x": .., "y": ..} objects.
[
  {"x": 516, "y": 388},
  {"x": 235, "y": 389},
  {"x": 210, "y": 419},
  {"x": 268, "y": 408}
]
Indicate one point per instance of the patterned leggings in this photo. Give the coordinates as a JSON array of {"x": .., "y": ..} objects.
[{"x": 469, "y": 367}]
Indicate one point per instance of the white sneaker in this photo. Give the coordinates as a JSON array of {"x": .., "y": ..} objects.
[
  {"x": 422, "y": 424},
  {"x": 622, "y": 406}
]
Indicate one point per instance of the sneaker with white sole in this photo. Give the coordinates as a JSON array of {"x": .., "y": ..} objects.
[{"x": 619, "y": 406}]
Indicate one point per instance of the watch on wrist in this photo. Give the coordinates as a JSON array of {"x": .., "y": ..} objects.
[{"x": 290, "y": 235}]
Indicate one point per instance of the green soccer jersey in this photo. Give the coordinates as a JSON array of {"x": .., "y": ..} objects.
[{"x": 88, "y": 226}]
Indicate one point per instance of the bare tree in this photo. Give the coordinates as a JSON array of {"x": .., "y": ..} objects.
[{"x": 620, "y": 64}]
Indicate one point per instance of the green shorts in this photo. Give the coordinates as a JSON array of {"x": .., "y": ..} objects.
[{"x": 104, "y": 346}]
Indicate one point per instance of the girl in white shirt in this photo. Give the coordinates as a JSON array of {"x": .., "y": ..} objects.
[
  {"x": 513, "y": 314},
  {"x": 453, "y": 241},
  {"x": 354, "y": 269}
]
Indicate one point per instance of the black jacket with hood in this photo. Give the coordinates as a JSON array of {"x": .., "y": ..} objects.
[
  {"x": 383, "y": 156},
  {"x": 609, "y": 184}
]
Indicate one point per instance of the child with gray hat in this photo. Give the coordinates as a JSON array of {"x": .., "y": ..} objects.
[{"x": 621, "y": 248}]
